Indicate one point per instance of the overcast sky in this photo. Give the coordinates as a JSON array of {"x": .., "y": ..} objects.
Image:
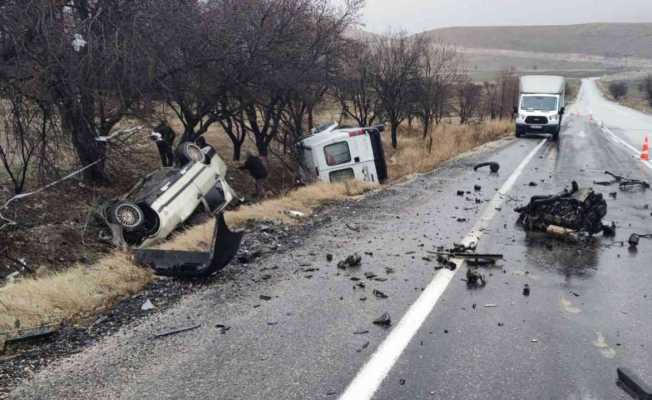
[{"x": 420, "y": 15}]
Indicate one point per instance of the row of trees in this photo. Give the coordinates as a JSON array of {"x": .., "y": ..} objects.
[
  {"x": 71, "y": 70},
  {"x": 396, "y": 77},
  {"x": 250, "y": 65}
]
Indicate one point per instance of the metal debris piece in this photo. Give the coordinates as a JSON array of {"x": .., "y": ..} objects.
[
  {"x": 380, "y": 294},
  {"x": 352, "y": 227},
  {"x": 384, "y": 320},
  {"x": 636, "y": 237},
  {"x": 295, "y": 214},
  {"x": 40, "y": 332},
  {"x": 475, "y": 278},
  {"x": 562, "y": 233},
  {"x": 174, "y": 331},
  {"x": 192, "y": 264},
  {"x": 526, "y": 290},
  {"x": 609, "y": 230},
  {"x": 446, "y": 262},
  {"x": 624, "y": 183},
  {"x": 354, "y": 260},
  {"x": 578, "y": 210},
  {"x": 147, "y": 305},
  {"x": 493, "y": 166},
  {"x": 633, "y": 385}
]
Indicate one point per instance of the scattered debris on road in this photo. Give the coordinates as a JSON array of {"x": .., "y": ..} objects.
[
  {"x": 222, "y": 328},
  {"x": 384, "y": 320},
  {"x": 354, "y": 260},
  {"x": 634, "y": 239},
  {"x": 380, "y": 294},
  {"x": 570, "y": 214},
  {"x": 474, "y": 278},
  {"x": 174, "y": 331},
  {"x": 633, "y": 384},
  {"x": 526, "y": 290},
  {"x": 624, "y": 183},
  {"x": 493, "y": 166},
  {"x": 352, "y": 227}
]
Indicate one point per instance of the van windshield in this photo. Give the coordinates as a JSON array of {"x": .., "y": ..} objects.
[{"x": 539, "y": 103}]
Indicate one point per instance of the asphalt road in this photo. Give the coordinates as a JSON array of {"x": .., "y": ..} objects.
[{"x": 588, "y": 312}]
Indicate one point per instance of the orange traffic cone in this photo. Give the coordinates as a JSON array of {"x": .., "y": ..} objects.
[{"x": 645, "y": 154}]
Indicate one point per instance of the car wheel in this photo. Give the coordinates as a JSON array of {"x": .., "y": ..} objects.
[
  {"x": 191, "y": 152},
  {"x": 128, "y": 215}
]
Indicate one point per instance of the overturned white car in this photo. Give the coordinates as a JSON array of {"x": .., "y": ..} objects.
[{"x": 166, "y": 198}]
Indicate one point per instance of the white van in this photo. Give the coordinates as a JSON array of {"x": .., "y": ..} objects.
[
  {"x": 333, "y": 154},
  {"x": 541, "y": 105}
]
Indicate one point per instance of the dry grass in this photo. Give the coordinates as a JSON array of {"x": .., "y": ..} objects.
[
  {"x": 75, "y": 293},
  {"x": 304, "y": 200},
  {"x": 81, "y": 291},
  {"x": 414, "y": 154}
]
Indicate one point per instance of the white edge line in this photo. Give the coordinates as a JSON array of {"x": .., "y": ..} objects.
[
  {"x": 373, "y": 373},
  {"x": 626, "y": 145}
]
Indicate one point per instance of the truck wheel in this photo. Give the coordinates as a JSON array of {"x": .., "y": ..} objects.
[{"x": 128, "y": 215}]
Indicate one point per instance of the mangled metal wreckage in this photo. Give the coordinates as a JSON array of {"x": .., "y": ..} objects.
[
  {"x": 165, "y": 199},
  {"x": 572, "y": 214}
]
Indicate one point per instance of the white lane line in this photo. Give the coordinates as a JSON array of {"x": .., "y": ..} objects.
[
  {"x": 372, "y": 374},
  {"x": 636, "y": 153}
]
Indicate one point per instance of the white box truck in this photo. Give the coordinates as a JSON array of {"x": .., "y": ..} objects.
[
  {"x": 541, "y": 105},
  {"x": 334, "y": 154}
]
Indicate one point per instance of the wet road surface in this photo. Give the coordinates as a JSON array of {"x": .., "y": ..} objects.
[{"x": 587, "y": 314}]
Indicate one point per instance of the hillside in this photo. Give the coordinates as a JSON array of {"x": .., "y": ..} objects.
[{"x": 609, "y": 40}]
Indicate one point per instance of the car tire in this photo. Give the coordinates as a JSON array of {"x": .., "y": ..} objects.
[
  {"x": 189, "y": 151},
  {"x": 128, "y": 215}
]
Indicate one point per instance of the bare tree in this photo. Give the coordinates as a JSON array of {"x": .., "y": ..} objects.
[
  {"x": 469, "y": 96},
  {"x": 82, "y": 56},
  {"x": 354, "y": 88},
  {"x": 618, "y": 89},
  {"x": 439, "y": 70},
  {"x": 25, "y": 127},
  {"x": 508, "y": 91},
  {"x": 646, "y": 88},
  {"x": 396, "y": 69}
]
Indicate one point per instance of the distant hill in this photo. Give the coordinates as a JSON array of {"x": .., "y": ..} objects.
[{"x": 602, "y": 39}]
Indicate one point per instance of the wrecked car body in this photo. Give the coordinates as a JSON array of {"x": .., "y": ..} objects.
[
  {"x": 566, "y": 214},
  {"x": 166, "y": 198}
]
